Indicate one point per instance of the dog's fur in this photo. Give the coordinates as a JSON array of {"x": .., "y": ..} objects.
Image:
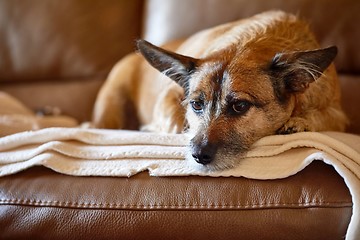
[{"x": 244, "y": 80}]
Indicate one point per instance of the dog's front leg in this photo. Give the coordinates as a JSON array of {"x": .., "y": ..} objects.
[{"x": 169, "y": 113}]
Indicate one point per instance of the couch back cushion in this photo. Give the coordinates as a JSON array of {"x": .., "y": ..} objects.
[{"x": 65, "y": 39}]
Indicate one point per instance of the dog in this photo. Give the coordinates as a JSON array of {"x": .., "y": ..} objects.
[{"x": 226, "y": 87}]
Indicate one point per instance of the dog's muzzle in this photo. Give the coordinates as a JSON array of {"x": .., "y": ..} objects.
[{"x": 203, "y": 152}]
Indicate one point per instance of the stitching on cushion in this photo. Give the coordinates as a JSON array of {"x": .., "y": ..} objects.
[{"x": 90, "y": 205}]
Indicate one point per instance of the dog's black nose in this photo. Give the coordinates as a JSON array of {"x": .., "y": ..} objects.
[{"x": 204, "y": 153}]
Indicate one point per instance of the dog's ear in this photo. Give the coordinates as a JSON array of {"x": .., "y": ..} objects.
[
  {"x": 175, "y": 66},
  {"x": 298, "y": 69}
]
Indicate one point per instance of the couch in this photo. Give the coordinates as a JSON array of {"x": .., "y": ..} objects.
[{"x": 56, "y": 54}]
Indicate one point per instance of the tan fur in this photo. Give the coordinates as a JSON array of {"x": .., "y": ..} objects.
[{"x": 233, "y": 65}]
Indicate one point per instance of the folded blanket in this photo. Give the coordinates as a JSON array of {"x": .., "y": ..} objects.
[{"x": 95, "y": 152}]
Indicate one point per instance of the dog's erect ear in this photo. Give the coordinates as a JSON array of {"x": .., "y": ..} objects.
[
  {"x": 175, "y": 66},
  {"x": 298, "y": 69}
]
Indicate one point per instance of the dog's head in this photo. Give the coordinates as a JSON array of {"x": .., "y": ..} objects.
[{"x": 234, "y": 97}]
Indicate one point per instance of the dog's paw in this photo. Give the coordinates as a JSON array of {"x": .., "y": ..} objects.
[{"x": 295, "y": 125}]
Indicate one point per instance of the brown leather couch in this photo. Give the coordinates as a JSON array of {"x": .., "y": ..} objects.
[{"x": 58, "y": 53}]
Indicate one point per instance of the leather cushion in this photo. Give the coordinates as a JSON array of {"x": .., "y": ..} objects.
[
  {"x": 69, "y": 39},
  {"x": 39, "y": 203}
]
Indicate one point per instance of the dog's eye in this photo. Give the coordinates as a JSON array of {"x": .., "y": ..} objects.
[
  {"x": 241, "y": 107},
  {"x": 197, "y": 106}
]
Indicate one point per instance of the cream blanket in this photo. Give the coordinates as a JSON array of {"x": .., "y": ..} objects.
[{"x": 94, "y": 152}]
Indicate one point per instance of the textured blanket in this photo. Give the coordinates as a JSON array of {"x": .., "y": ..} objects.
[{"x": 95, "y": 152}]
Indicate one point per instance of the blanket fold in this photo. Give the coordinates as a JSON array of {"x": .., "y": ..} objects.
[{"x": 96, "y": 152}]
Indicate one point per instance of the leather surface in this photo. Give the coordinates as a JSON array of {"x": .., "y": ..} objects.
[
  {"x": 54, "y": 40},
  {"x": 57, "y": 53},
  {"x": 40, "y": 201},
  {"x": 350, "y": 97},
  {"x": 74, "y": 98}
]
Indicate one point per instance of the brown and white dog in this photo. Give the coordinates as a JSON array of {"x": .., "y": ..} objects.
[{"x": 227, "y": 86}]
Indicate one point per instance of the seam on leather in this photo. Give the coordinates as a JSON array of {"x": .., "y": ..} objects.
[{"x": 90, "y": 205}]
